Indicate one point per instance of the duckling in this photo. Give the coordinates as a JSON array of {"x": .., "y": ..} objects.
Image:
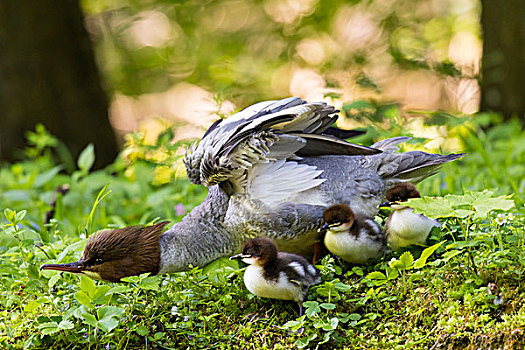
[
  {"x": 353, "y": 239},
  {"x": 274, "y": 274},
  {"x": 403, "y": 227}
]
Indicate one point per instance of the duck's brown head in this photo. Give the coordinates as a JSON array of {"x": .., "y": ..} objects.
[
  {"x": 111, "y": 255},
  {"x": 400, "y": 193},
  {"x": 257, "y": 251},
  {"x": 338, "y": 217}
]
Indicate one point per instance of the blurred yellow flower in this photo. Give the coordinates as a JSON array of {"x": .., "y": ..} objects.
[
  {"x": 129, "y": 173},
  {"x": 162, "y": 175},
  {"x": 157, "y": 155},
  {"x": 132, "y": 154}
]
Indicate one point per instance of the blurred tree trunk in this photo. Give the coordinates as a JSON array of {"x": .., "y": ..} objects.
[
  {"x": 48, "y": 75},
  {"x": 503, "y": 66}
]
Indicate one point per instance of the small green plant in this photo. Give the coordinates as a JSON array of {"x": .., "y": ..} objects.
[
  {"x": 469, "y": 211},
  {"x": 15, "y": 219},
  {"x": 400, "y": 266},
  {"x": 101, "y": 195},
  {"x": 27, "y": 248}
]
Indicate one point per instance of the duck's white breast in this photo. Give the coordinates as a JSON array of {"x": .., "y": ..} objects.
[
  {"x": 406, "y": 228},
  {"x": 351, "y": 249},
  {"x": 279, "y": 289}
]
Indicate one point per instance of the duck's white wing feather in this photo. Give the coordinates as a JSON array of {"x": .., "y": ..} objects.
[
  {"x": 262, "y": 133},
  {"x": 390, "y": 145},
  {"x": 283, "y": 181},
  {"x": 263, "y": 108}
]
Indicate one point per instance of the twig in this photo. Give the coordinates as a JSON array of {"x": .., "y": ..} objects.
[
  {"x": 62, "y": 189},
  {"x": 43, "y": 251}
]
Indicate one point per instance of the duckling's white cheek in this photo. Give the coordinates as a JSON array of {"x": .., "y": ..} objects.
[
  {"x": 249, "y": 261},
  {"x": 340, "y": 228}
]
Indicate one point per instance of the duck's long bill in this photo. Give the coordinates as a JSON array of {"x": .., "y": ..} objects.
[
  {"x": 240, "y": 256},
  {"x": 74, "y": 267}
]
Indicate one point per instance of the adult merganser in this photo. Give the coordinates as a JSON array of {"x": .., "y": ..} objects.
[
  {"x": 274, "y": 274},
  {"x": 353, "y": 239},
  {"x": 403, "y": 227},
  {"x": 272, "y": 171}
]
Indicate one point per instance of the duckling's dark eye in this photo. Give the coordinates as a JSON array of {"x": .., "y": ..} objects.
[{"x": 99, "y": 261}]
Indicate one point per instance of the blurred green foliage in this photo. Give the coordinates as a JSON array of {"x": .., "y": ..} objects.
[{"x": 247, "y": 50}]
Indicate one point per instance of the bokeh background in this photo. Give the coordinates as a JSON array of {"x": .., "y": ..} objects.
[
  {"x": 188, "y": 61},
  {"x": 147, "y": 64}
]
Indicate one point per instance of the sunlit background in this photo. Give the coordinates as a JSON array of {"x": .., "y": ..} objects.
[{"x": 188, "y": 62}]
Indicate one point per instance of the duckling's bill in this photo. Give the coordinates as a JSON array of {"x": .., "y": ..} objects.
[
  {"x": 247, "y": 258},
  {"x": 386, "y": 204},
  {"x": 394, "y": 205}
]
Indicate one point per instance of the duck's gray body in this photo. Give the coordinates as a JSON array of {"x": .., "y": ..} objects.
[
  {"x": 219, "y": 226},
  {"x": 274, "y": 181}
]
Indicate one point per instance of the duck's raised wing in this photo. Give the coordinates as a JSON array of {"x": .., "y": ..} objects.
[{"x": 264, "y": 132}]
